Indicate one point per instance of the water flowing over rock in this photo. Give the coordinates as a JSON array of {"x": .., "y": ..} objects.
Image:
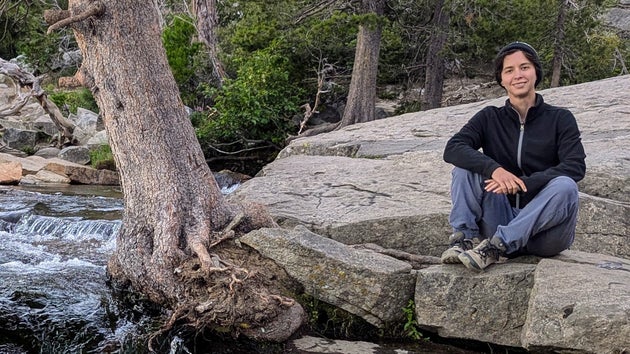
[
  {"x": 53, "y": 292},
  {"x": 384, "y": 182}
]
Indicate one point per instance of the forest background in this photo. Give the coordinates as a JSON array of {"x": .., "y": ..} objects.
[{"x": 277, "y": 64}]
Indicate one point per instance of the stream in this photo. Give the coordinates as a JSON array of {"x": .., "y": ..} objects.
[
  {"x": 53, "y": 251},
  {"x": 54, "y": 297}
]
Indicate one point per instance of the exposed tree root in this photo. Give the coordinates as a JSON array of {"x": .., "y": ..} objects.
[
  {"x": 223, "y": 286},
  {"x": 176, "y": 315},
  {"x": 239, "y": 295}
]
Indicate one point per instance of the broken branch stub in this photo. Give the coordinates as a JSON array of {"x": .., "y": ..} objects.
[{"x": 63, "y": 18}]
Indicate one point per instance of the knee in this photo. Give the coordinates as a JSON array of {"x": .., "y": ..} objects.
[
  {"x": 565, "y": 186},
  {"x": 459, "y": 172}
]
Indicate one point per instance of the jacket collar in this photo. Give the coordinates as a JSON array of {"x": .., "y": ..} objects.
[{"x": 533, "y": 111}]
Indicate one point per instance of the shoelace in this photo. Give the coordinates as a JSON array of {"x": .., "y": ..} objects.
[
  {"x": 467, "y": 244},
  {"x": 489, "y": 250}
]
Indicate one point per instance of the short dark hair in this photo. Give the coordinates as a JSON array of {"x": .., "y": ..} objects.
[{"x": 530, "y": 54}]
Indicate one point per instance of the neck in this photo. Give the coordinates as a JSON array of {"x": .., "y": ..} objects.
[{"x": 523, "y": 104}]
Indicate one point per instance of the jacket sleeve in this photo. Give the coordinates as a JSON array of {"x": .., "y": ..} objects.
[
  {"x": 462, "y": 149},
  {"x": 570, "y": 155}
]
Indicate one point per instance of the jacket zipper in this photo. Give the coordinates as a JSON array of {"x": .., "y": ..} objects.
[{"x": 518, "y": 157}]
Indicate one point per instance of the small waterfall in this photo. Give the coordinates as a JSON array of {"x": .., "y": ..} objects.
[
  {"x": 53, "y": 292},
  {"x": 70, "y": 229},
  {"x": 54, "y": 297}
]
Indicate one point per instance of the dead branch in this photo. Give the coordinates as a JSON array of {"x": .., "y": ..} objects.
[
  {"x": 416, "y": 261},
  {"x": 19, "y": 103},
  {"x": 320, "y": 129},
  {"x": 330, "y": 5},
  {"x": 28, "y": 80},
  {"x": 622, "y": 63},
  {"x": 96, "y": 9},
  {"x": 322, "y": 75},
  {"x": 239, "y": 151},
  {"x": 324, "y": 71}
]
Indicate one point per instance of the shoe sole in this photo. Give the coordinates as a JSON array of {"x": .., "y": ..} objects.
[
  {"x": 451, "y": 260},
  {"x": 469, "y": 262}
]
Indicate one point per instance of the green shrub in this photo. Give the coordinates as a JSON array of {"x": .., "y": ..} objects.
[
  {"x": 102, "y": 158},
  {"x": 185, "y": 56},
  {"x": 256, "y": 105},
  {"x": 73, "y": 99}
]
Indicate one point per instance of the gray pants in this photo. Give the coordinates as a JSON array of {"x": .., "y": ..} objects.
[{"x": 544, "y": 227}]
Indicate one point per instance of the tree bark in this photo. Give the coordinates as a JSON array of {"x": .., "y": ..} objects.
[
  {"x": 360, "y": 105},
  {"x": 175, "y": 245},
  {"x": 558, "y": 48},
  {"x": 434, "y": 79},
  {"x": 207, "y": 20}
]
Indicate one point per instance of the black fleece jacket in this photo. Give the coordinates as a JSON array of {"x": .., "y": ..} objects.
[{"x": 551, "y": 145}]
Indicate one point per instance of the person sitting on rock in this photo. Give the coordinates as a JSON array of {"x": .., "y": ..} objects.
[{"x": 519, "y": 193}]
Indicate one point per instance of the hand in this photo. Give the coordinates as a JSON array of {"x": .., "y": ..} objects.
[{"x": 504, "y": 182}]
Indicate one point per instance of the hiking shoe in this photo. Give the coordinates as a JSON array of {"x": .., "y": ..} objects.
[
  {"x": 459, "y": 244},
  {"x": 486, "y": 253}
]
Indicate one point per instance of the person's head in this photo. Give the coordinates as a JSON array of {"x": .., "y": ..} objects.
[{"x": 527, "y": 50}]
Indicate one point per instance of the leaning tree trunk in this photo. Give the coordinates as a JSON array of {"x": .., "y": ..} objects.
[
  {"x": 360, "y": 105},
  {"x": 176, "y": 222},
  {"x": 434, "y": 80}
]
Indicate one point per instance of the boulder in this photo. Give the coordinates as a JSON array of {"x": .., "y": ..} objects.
[
  {"x": 490, "y": 306},
  {"x": 77, "y": 154},
  {"x": 98, "y": 139},
  {"x": 10, "y": 172},
  {"x": 44, "y": 177},
  {"x": 30, "y": 164},
  {"x": 48, "y": 152},
  {"x": 66, "y": 171},
  {"x": 20, "y": 139},
  {"x": 579, "y": 301},
  {"x": 362, "y": 282},
  {"x": 395, "y": 202},
  {"x": 576, "y": 300},
  {"x": 82, "y": 174}
]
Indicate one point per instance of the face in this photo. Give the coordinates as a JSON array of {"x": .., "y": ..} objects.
[{"x": 518, "y": 75}]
